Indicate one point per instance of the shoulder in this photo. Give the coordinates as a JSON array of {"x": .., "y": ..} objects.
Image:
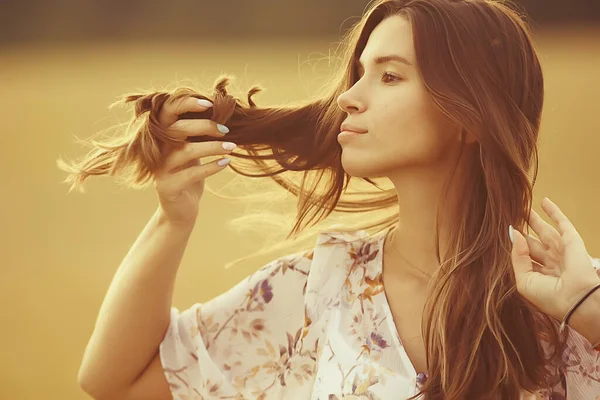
[
  {"x": 355, "y": 246},
  {"x": 300, "y": 260},
  {"x": 337, "y": 247},
  {"x": 340, "y": 252},
  {"x": 327, "y": 241},
  {"x": 343, "y": 238},
  {"x": 596, "y": 264},
  {"x": 339, "y": 236},
  {"x": 332, "y": 247}
]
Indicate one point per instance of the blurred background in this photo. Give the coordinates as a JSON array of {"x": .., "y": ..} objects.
[{"x": 63, "y": 62}]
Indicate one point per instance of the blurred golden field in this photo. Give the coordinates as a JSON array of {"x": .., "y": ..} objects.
[{"x": 60, "y": 250}]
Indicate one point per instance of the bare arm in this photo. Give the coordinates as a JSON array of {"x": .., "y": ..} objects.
[
  {"x": 135, "y": 313},
  {"x": 121, "y": 359}
]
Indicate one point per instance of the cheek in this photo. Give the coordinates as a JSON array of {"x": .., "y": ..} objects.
[
  {"x": 405, "y": 135},
  {"x": 411, "y": 129}
]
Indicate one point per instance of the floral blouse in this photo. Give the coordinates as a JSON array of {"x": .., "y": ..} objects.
[{"x": 315, "y": 325}]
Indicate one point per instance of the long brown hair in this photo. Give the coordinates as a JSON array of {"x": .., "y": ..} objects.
[{"x": 479, "y": 65}]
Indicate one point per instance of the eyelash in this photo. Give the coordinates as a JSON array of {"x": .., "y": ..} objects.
[
  {"x": 396, "y": 78},
  {"x": 383, "y": 75}
]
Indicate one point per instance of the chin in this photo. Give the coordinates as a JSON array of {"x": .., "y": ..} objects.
[{"x": 359, "y": 167}]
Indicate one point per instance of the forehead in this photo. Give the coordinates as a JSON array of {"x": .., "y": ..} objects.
[{"x": 392, "y": 36}]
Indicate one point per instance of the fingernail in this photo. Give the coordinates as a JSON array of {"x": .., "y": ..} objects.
[
  {"x": 229, "y": 145},
  {"x": 223, "y": 129},
  {"x": 205, "y": 103},
  {"x": 511, "y": 233},
  {"x": 223, "y": 162}
]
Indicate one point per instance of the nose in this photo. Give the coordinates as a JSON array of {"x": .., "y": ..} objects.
[{"x": 349, "y": 102}]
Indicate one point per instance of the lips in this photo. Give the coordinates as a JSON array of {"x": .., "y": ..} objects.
[{"x": 351, "y": 128}]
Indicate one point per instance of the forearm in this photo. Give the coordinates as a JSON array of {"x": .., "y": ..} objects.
[{"x": 135, "y": 313}]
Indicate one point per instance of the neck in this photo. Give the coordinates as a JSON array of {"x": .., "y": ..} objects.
[{"x": 411, "y": 247}]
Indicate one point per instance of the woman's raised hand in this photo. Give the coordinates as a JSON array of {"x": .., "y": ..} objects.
[{"x": 180, "y": 179}]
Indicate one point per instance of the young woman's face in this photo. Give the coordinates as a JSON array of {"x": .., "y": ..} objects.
[{"x": 389, "y": 101}]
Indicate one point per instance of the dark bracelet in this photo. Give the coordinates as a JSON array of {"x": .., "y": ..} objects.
[{"x": 577, "y": 304}]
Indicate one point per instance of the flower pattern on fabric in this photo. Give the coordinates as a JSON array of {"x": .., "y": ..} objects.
[{"x": 315, "y": 325}]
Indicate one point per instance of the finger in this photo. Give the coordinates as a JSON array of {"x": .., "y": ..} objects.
[
  {"x": 565, "y": 228},
  {"x": 538, "y": 268},
  {"x": 520, "y": 257},
  {"x": 542, "y": 258},
  {"x": 546, "y": 232},
  {"x": 181, "y": 180},
  {"x": 184, "y": 128},
  {"x": 537, "y": 250},
  {"x": 173, "y": 108},
  {"x": 526, "y": 271},
  {"x": 193, "y": 151}
]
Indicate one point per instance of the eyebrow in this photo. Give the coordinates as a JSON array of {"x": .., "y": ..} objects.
[{"x": 384, "y": 59}]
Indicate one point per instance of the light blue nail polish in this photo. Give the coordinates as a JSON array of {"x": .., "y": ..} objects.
[
  {"x": 511, "y": 233},
  {"x": 223, "y": 129},
  {"x": 204, "y": 103},
  {"x": 223, "y": 162}
]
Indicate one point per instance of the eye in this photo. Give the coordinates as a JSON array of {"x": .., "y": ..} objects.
[{"x": 387, "y": 75}]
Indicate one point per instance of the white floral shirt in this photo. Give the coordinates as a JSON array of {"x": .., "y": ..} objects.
[{"x": 314, "y": 325}]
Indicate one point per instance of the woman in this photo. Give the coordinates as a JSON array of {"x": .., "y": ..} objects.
[{"x": 444, "y": 301}]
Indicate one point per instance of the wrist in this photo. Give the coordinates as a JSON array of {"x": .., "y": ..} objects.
[
  {"x": 164, "y": 222},
  {"x": 586, "y": 318}
]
